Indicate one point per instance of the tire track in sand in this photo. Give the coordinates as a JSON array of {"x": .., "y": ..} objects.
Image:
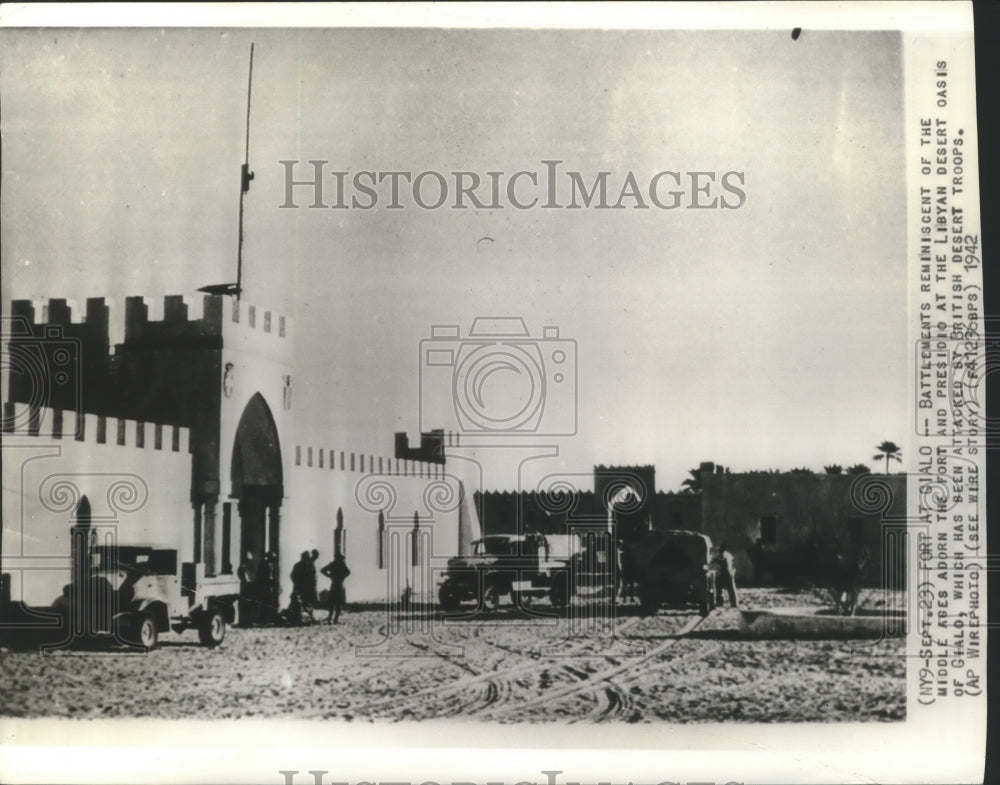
[
  {"x": 607, "y": 698},
  {"x": 490, "y": 694}
]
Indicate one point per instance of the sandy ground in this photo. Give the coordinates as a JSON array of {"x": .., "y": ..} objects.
[{"x": 498, "y": 667}]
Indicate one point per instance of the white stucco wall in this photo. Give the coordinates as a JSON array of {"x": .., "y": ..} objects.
[
  {"x": 311, "y": 517},
  {"x": 138, "y": 494}
]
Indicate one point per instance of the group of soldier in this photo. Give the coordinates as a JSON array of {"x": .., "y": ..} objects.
[
  {"x": 259, "y": 586},
  {"x": 259, "y": 589}
]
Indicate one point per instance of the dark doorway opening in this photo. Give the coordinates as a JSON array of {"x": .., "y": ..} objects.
[{"x": 257, "y": 481}]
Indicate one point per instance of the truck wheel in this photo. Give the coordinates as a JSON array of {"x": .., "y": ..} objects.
[
  {"x": 448, "y": 600},
  {"x": 140, "y": 630},
  {"x": 559, "y": 593},
  {"x": 492, "y": 597},
  {"x": 649, "y": 602},
  {"x": 212, "y": 629}
]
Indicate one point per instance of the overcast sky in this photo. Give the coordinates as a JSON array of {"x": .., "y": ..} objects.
[{"x": 773, "y": 335}]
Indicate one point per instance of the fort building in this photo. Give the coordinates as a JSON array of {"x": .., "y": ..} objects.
[
  {"x": 185, "y": 433},
  {"x": 175, "y": 425}
]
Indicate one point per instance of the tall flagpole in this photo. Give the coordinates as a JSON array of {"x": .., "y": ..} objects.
[{"x": 245, "y": 177}]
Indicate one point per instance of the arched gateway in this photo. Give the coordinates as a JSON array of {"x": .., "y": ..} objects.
[{"x": 257, "y": 479}]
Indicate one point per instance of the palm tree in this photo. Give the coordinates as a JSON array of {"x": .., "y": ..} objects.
[
  {"x": 888, "y": 450},
  {"x": 693, "y": 483}
]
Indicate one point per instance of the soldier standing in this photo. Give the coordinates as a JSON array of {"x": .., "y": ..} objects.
[
  {"x": 312, "y": 597},
  {"x": 726, "y": 576},
  {"x": 337, "y": 571},
  {"x": 267, "y": 587},
  {"x": 303, "y": 582},
  {"x": 247, "y": 574}
]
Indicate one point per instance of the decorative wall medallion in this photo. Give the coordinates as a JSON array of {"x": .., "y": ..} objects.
[{"x": 227, "y": 381}]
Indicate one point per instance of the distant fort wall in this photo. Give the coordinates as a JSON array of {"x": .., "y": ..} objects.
[
  {"x": 563, "y": 501},
  {"x": 788, "y": 510}
]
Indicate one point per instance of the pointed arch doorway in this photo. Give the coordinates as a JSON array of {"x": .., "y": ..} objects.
[
  {"x": 257, "y": 480},
  {"x": 81, "y": 539}
]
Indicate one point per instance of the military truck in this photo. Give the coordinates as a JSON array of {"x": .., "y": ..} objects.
[
  {"x": 668, "y": 568},
  {"x": 673, "y": 568},
  {"x": 135, "y": 592},
  {"x": 524, "y": 567}
]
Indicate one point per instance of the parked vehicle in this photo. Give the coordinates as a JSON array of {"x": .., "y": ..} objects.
[
  {"x": 673, "y": 568},
  {"x": 136, "y": 592},
  {"x": 523, "y": 567},
  {"x": 669, "y": 568}
]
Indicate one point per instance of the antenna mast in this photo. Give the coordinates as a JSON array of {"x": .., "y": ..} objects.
[{"x": 245, "y": 177}]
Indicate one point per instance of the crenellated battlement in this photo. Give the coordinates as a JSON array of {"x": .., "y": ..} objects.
[
  {"x": 181, "y": 315},
  {"x": 582, "y": 493},
  {"x": 210, "y": 312},
  {"x": 20, "y": 419},
  {"x": 30, "y": 317},
  {"x": 256, "y": 318},
  {"x": 427, "y": 461},
  {"x": 634, "y": 467},
  {"x": 152, "y": 362},
  {"x": 53, "y": 311},
  {"x": 307, "y": 456}
]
